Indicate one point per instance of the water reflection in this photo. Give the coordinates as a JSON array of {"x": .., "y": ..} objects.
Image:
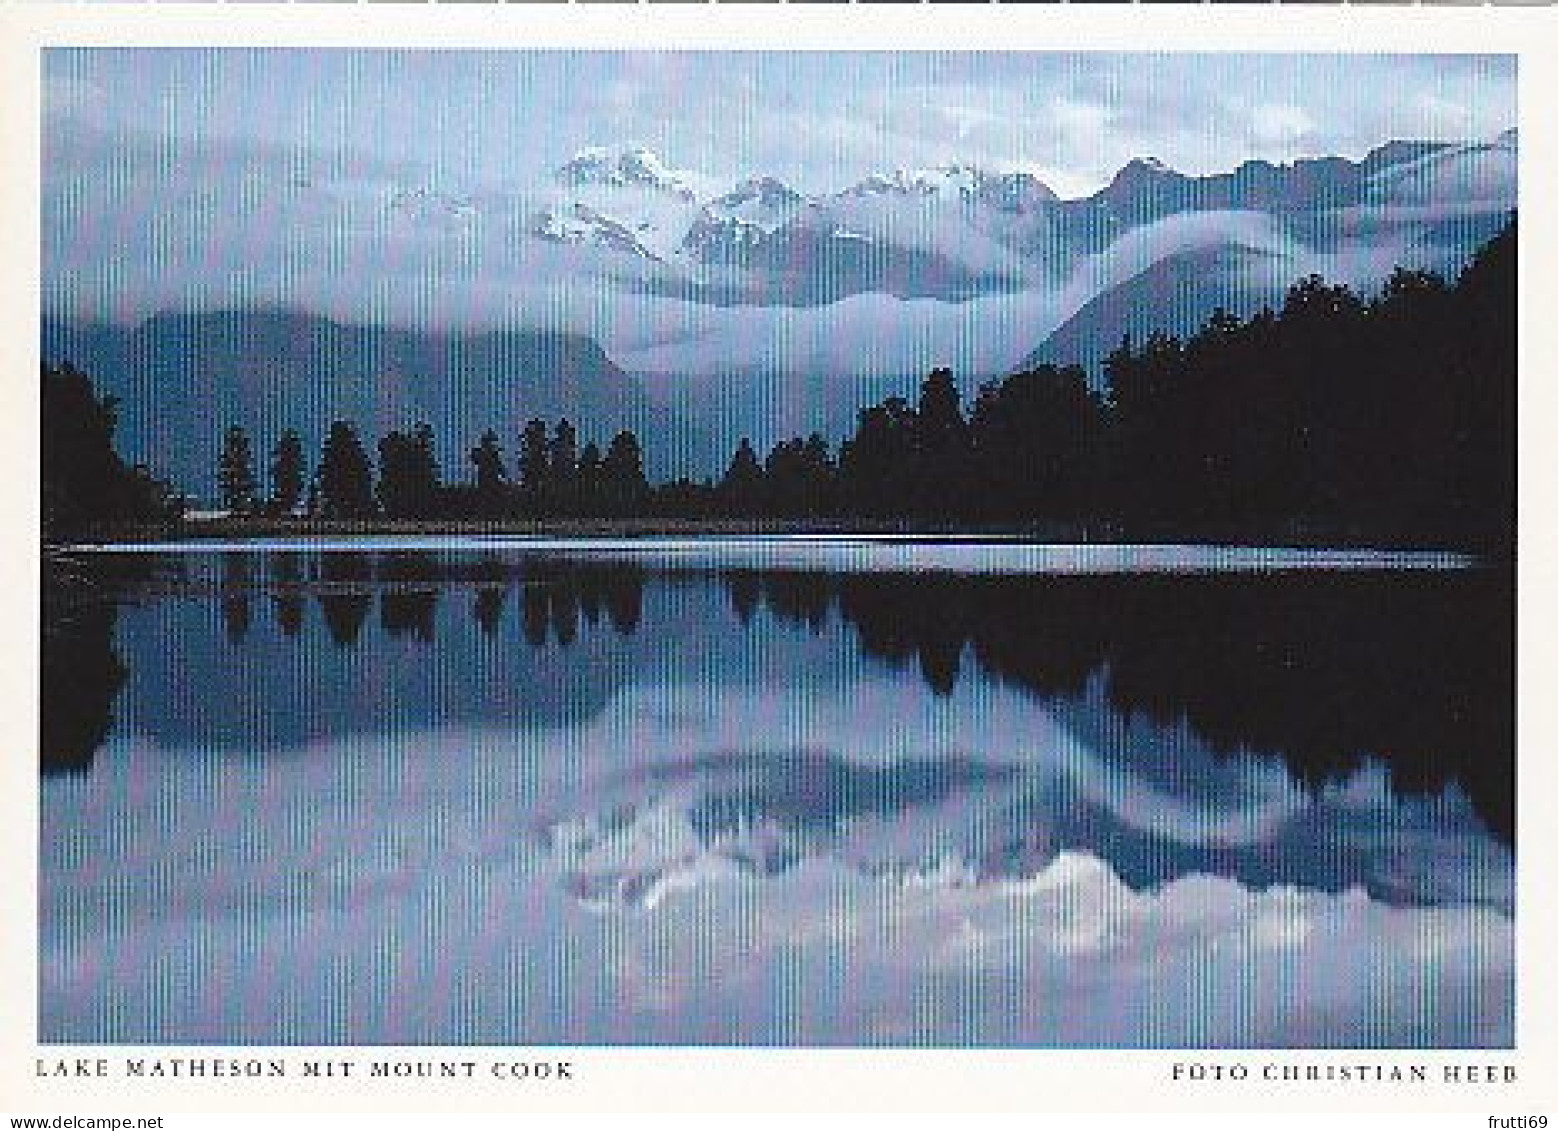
[
  {"x": 82, "y": 674},
  {"x": 649, "y": 744},
  {"x": 1326, "y": 671},
  {"x": 488, "y": 608},
  {"x": 344, "y": 615},
  {"x": 83, "y": 669}
]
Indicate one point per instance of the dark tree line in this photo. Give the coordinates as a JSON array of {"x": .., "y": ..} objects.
[
  {"x": 86, "y": 486},
  {"x": 1325, "y": 669},
  {"x": 1340, "y": 417},
  {"x": 552, "y": 476},
  {"x": 1389, "y": 418}
]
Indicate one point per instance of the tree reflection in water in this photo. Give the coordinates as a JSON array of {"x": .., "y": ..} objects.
[
  {"x": 82, "y": 669},
  {"x": 1324, "y": 669}
]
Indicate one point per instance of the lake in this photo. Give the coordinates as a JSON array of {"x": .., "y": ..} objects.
[{"x": 867, "y": 792}]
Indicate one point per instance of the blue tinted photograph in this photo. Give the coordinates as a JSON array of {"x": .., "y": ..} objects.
[{"x": 893, "y": 550}]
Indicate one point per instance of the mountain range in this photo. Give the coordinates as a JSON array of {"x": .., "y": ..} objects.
[{"x": 700, "y": 310}]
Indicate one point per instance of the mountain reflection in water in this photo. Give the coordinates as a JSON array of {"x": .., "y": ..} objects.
[{"x": 1060, "y": 785}]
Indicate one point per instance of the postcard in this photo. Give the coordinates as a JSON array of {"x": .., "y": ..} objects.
[{"x": 723, "y": 559}]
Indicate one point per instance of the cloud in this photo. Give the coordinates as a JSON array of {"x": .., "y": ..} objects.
[
  {"x": 345, "y": 201},
  {"x": 350, "y": 240},
  {"x": 67, "y": 100},
  {"x": 1281, "y": 125},
  {"x": 1186, "y": 233},
  {"x": 818, "y": 119}
]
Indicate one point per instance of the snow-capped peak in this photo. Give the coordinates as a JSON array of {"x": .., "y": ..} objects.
[
  {"x": 731, "y": 224},
  {"x": 761, "y": 202},
  {"x": 920, "y": 182},
  {"x": 624, "y": 166},
  {"x": 1007, "y": 191},
  {"x": 762, "y": 192},
  {"x": 580, "y": 224}
]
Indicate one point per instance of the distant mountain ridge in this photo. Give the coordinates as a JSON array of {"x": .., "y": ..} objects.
[
  {"x": 880, "y": 260},
  {"x": 273, "y": 369},
  {"x": 1143, "y": 190}
]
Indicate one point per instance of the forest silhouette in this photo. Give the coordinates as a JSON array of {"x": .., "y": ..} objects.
[{"x": 1387, "y": 419}]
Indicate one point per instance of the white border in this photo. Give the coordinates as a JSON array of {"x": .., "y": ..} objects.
[{"x": 790, "y": 1080}]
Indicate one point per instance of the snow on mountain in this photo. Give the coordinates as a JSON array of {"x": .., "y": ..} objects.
[
  {"x": 942, "y": 232},
  {"x": 731, "y": 225},
  {"x": 956, "y": 229},
  {"x": 956, "y": 179},
  {"x": 581, "y": 224},
  {"x": 1008, "y": 191},
  {"x": 624, "y": 199},
  {"x": 1014, "y": 192},
  {"x": 619, "y": 168},
  {"x": 763, "y": 202},
  {"x": 656, "y": 260},
  {"x": 969, "y": 204}
]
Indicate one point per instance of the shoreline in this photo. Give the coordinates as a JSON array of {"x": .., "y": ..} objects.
[
  {"x": 837, "y": 553},
  {"x": 263, "y": 532}
]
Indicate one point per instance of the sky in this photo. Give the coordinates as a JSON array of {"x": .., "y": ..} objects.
[{"x": 818, "y": 120}]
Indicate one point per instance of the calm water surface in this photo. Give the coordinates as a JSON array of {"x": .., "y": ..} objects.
[{"x": 776, "y": 793}]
